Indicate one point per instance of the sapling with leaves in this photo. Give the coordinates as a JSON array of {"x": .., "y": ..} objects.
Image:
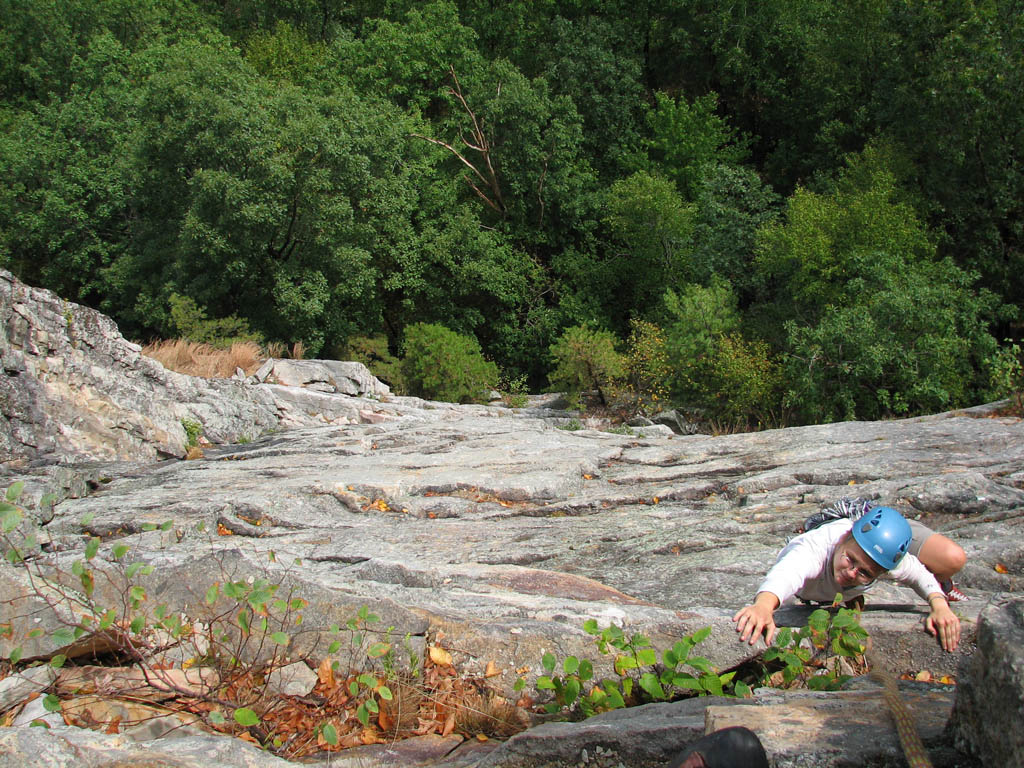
[
  {"x": 814, "y": 654},
  {"x": 636, "y": 662}
]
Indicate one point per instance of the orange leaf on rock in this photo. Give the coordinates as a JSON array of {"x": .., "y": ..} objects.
[
  {"x": 368, "y": 736},
  {"x": 1000, "y": 568},
  {"x": 440, "y": 656},
  {"x": 326, "y": 673},
  {"x": 924, "y": 676},
  {"x": 223, "y": 531},
  {"x": 449, "y": 725},
  {"x": 491, "y": 670},
  {"x": 384, "y": 722}
]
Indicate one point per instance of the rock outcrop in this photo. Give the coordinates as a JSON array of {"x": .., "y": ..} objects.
[{"x": 496, "y": 534}]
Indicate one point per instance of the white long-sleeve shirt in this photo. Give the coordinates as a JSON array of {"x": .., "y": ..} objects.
[{"x": 804, "y": 568}]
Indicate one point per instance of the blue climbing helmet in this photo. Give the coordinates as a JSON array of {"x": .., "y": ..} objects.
[{"x": 884, "y": 534}]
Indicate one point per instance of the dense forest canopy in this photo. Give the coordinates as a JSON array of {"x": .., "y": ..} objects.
[{"x": 779, "y": 211}]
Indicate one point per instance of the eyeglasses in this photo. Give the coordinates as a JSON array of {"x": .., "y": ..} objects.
[{"x": 859, "y": 572}]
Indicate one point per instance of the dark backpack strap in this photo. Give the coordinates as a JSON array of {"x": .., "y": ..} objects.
[{"x": 845, "y": 507}]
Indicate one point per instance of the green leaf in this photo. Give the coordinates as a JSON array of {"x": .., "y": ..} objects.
[
  {"x": 87, "y": 582},
  {"x": 687, "y": 682},
  {"x": 570, "y": 665},
  {"x": 245, "y": 716},
  {"x": 590, "y": 627},
  {"x": 166, "y": 525},
  {"x": 87, "y": 519},
  {"x": 624, "y": 663},
  {"x": 370, "y": 681},
  {"x": 647, "y": 657},
  {"x": 51, "y": 703},
  {"x": 363, "y": 715},
  {"x": 137, "y": 593},
  {"x": 92, "y": 547},
  {"x": 148, "y": 526},
  {"x": 548, "y": 662},
  {"x": 353, "y": 688},
  {"x": 572, "y": 691},
  {"x": 212, "y": 594},
  {"x": 35, "y": 633},
  {"x": 783, "y": 636},
  {"x": 58, "y": 661},
  {"x": 78, "y": 568},
  {"x": 280, "y": 638},
  {"x": 15, "y": 656},
  {"x": 10, "y": 518},
  {"x": 818, "y": 620},
  {"x": 333, "y": 648},
  {"x": 385, "y": 693},
  {"x": 132, "y": 569},
  {"x": 545, "y": 683},
  {"x": 14, "y": 490},
  {"x": 243, "y": 620},
  {"x": 743, "y": 690},
  {"x": 378, "y": 649},
  {"x": 119, "y": 551},
  {"x": 701, "y": 635},
  {"x": 586, "y": 671},
  {"x": 63, "y": 636},
  {"x": 138, "y": 624},
  {"x": 650, "y": 683},
  {"x": 330, "y": 734},
  {"x": 371, "y": 705},
  {"x": 217, "y": 717},
  {"x": 519, "y": 684}
]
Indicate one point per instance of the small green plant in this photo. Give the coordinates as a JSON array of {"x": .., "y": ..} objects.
[
  {"x": 641, "y": 677},
  {"x": 366, "y": 682},
  {"x": 193, "y": 431},
  {"x": 812, "y": 654},
  {"x": 190, "y": 322},
  {"x": 622, "y": 429},
  {"x": 1006, "y": 374},
  {"x": 514, "y": 392},
  {"x": 572, "y": 425}
]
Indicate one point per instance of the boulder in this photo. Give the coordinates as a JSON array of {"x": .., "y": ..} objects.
[{"x": 990, "y": 697}]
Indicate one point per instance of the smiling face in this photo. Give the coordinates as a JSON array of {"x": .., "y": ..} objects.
[{"x": 851, "y": 566}]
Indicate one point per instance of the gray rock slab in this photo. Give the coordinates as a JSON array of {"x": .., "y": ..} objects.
[{"x": 990, "y": 698}]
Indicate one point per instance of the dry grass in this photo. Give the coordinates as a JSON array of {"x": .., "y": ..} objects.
[{"x": 205, "y": 360}]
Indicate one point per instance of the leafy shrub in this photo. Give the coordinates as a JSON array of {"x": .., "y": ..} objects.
[
  {"x": 373, "y": 352},
  {"x": 649, "y": 366},
  {"x": 1006, "y": 375},
  {"x": 812, "y": 654},
  {"x": 742, "y": 383},
  {"x": 190, "y": 322},
  {"x": 642, "y": 677},
  {"x": 440, "y": 364},
  {"x": 586, "y": 359}
]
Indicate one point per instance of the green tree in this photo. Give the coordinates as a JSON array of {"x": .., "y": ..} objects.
[
  {"x": 686, "y": 138},
  {"x": 586, "y": 359},
  {"x": 260, "y": 200},
  {"x": 875, "y": 324},
  {"x": 440, "y": 364},
  {"x": 67, "y": 201},
  {"x": 648, "y": 218}
]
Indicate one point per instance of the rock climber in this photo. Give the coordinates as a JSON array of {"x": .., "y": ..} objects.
[{"x": 845, "y": 555}]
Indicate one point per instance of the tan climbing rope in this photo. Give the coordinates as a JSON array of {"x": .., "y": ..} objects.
[{"x": 913, "y": 749}]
